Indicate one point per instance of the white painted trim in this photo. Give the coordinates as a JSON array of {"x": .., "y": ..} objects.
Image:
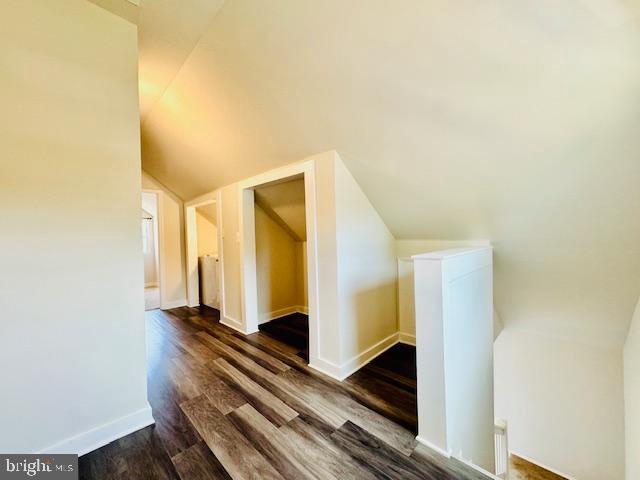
[
  {"x": 407, "y": 338},
  {"x": 175, "y": 304},
  {"x": 356, "y": 363},
  {"x": 302, "y": 309},
  {"x": 150, "y": 284},
  {"x": 324, "y": 366},
  {"x": 191, "y": 244},
  {"x": 433, "y": 447},
  {"x": 100, "y": 436},
  {"x": 541, "y": 465},
  {"x": 283, "y": 312},
  {"x": 236, "y": 325},
  {"x": 249, "y": 298}
]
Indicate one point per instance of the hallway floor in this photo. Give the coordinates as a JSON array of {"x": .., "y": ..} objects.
[{"x": 233, "y": 406}]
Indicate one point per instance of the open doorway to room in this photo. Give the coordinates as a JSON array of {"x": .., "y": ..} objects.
[
  {"x": 208, "y": 259},
  {"x": 281, "y": 262},
  {"x": 151, "y": 249},
  {"x": 204, "y": 254}
]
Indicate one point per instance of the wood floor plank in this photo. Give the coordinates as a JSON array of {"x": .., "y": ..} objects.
[
  {"x": 239, "y": 458},
  {"x": 326, "y": 456},
  {"x": 331, "y": 397},
  {"x": 243, "y": 407},
  {"x": 198, "y": 463},
  {"x": 264, "y": 401},
  {"x": 379, "y": 458},
  {"x": 283, "y": 454}
]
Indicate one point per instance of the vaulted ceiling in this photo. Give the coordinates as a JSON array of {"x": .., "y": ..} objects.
[{"x": 511, "y": 120}]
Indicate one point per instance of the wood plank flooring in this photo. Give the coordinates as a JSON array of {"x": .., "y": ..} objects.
[{"x": 248, "y": 407}]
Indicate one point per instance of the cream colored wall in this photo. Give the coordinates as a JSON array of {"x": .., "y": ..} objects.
[
  {"x": 632, "y": 397},
  {"x": 276, "y": 267},
  {"x": 564, "y": 403},
  {"x": 150, "y": 271},
  {"x": 72, "y": 269},
  {"x": 207, "y": 235},
  {"x": 173, "y": 265},
  {"x": 366, "y": 266}
]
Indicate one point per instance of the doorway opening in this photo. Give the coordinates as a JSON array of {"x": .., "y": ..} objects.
[
  {"x": 204, "y": 255},
  {"x": 150, "y": 221},
  {"x": 281, "y": 261}
]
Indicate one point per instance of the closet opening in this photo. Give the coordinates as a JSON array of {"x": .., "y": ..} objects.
[{"x": 281, "y": 262}]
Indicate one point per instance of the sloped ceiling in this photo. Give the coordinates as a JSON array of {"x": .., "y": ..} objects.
[
  {"x": 512, "y": 120},
  {"x": 168, "y": 31},
  {"x": 285, "y": 201},
  {"x": 210, "y": 212}
]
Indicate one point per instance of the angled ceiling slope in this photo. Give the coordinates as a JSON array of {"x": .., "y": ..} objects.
[{"x": 511, "y": 121}]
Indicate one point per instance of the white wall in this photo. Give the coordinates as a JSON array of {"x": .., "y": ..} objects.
[
  {"x": 276, "y": 268},
  {"x": 454, "y": 338},
  {"x": 632, "y": 397},
  {"x": 406, "y": 307},
  {"x": 72, "y": 328},
  {"x": 367, "y": 270},
  {"x": 173, "y": 266},
  {"x": 207, "y": 235},
  {"x": 563, "y": 402}
]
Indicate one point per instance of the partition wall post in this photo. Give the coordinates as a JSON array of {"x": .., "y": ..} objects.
[{"x": 454, "y": 341}]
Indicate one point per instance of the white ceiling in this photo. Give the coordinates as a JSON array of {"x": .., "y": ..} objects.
[{"x": 512, "y": 120}]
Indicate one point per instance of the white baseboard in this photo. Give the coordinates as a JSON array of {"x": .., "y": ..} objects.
[
  {"x": 100, "y": 436},
  {"x": 150, "y": 284},
  {"x": 407, "y": 338},
  {"x": 542, "y": 465},
  {"x": 235, "y": 324},
  {"x": 174, "y": 304},
  {"x": 303, "y": 309},
  {"x": 360, "y": 360},
  {"x": 431, "y": 446},
  {"x": 323, "y": 366}
]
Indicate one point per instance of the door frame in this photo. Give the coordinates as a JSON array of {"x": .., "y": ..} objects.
[
  {"x": 191, "y": 240},
  {"x": 247, "y": 237}
]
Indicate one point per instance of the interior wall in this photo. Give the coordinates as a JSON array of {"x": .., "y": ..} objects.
[
  {"x": 563, "y": 402},
  {"x": 231, "y": 262},
  {"x": 302, "y": 293},
  {"x": 276, "y": 268},
  {"x": 207, "y": 235},
  {"x": 174, "y": 284},
  {"x": 632, "y": 397},
  {"x": 367, "y": 269},
  {"x": 405, "y": 249},
  {"x": 71, "y": 288}
]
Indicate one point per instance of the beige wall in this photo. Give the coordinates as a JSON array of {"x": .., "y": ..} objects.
[
  {"x": 71, "y": 297},
  {"x": 367, "y": 269},
  {"x": 173, "y": 256},
  {"x": 632, "y": 397},
  {"x": 302, "y": 294},
  {"x": 276, "y": 268},
  {"x": 207, "y": 235},
  {"x": 229, "y": 222}
]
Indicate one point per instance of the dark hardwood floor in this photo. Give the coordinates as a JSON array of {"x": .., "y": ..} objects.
[
  {"x": 387, "y": 385},
  {"x": 248, "y": 407}
]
